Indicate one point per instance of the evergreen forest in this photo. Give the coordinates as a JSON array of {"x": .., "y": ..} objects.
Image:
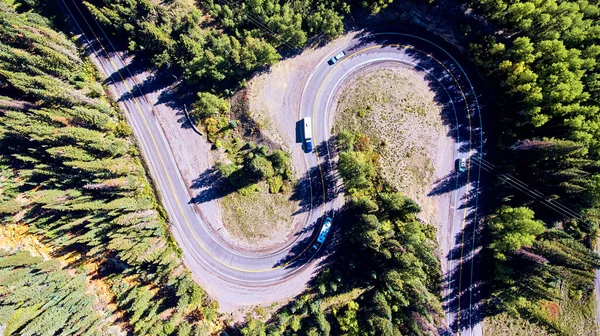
[
  {"x": 40, "y": 297},
  {"x": 71, "y": 170},
  {"x": 544, "y": 55},
  {"x": 73, "y": 174}
]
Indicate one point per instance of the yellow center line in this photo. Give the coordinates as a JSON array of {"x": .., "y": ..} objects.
[
  {"x": 470, "y": 146},
  {"x": 169, "y": 179},
  {"x": 316, "y": 152}
]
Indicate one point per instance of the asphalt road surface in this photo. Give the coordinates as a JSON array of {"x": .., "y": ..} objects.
[
  {"x": 461, "y": 111},
  {"x": 236, "y": 271}
]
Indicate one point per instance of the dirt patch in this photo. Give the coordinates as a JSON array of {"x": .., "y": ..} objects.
[
  {"x": 395, "y": 107},
  {"x": 260, "y": 219},
  {"x": 250, "y": 128}
]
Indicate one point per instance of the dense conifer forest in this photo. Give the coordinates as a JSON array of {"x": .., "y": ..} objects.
[
  {"x": 42, "y": 298},
  {"x": 72, "y": 172},
  {"x": 545, "y": 55}
]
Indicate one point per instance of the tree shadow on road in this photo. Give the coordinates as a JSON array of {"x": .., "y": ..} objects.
[
  {"x": 321, "y": 181},
  {"x": 469, "y": 304},
  {"x": 302, "y": 252},
  {"x": 136, "y": 66},
  {"x": 465, "y": 284},
  {"x": 455, "y": 180},
  {"x": 172, "y": 93},
  {"x": 152, "y": 83},
  {"x": 452, "y": 181}
]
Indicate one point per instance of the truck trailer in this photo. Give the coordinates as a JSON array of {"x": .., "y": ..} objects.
[{"x": 307, "y": 134}]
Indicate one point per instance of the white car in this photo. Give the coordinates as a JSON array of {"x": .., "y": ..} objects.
[{"x": 337, "y": 57}]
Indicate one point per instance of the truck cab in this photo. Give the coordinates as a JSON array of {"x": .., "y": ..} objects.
[{"x": 308, "y": 146}]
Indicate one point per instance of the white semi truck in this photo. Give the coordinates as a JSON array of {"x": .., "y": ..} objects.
[{"x": 307, "y": 134}]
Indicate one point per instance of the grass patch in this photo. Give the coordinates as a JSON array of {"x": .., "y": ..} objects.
[
  {"x": 571, "y": 316},
  {"x": 576, "y": 315},
  {"x": 504, "y": 324},
  {"x": 256, "y": 216},
  {"x": 396, "y": 109}
]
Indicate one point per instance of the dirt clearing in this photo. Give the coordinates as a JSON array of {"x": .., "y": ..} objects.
[{"x": 395, "y": 107}]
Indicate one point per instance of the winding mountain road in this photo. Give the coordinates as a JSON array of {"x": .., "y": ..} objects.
[
  {"x": 231, "y": 275},
  {"x": 461, "y": 111}
]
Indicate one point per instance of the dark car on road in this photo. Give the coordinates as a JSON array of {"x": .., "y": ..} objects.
[{"x": 461, "y": 165}]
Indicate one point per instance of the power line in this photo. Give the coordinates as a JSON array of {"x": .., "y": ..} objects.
[
  {"x": 136, "y": 84},
  {"x": 526, "y": 189},
  {"x": 531, "y": 193},
  {"x": 258, "y": 22}
]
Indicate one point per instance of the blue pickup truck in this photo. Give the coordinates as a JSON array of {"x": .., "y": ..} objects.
[{"x": 322, "y": 235}]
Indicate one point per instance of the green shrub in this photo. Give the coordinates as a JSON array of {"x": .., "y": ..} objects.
[
  {"x": 249, "y": 190},
  {"x": 122, "y": 129},
  {"x": 260, "y": 167},
  {"x": 227, "y": 169},
  {"x": 275, "y": 184},
  {"x": 209, "y": 105}
]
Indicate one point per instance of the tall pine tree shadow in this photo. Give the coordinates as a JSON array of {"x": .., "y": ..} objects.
[{"x": 322, "y": 182}]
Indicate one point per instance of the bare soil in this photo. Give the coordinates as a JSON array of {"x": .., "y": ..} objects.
[{"x": 395, "y": 107}]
